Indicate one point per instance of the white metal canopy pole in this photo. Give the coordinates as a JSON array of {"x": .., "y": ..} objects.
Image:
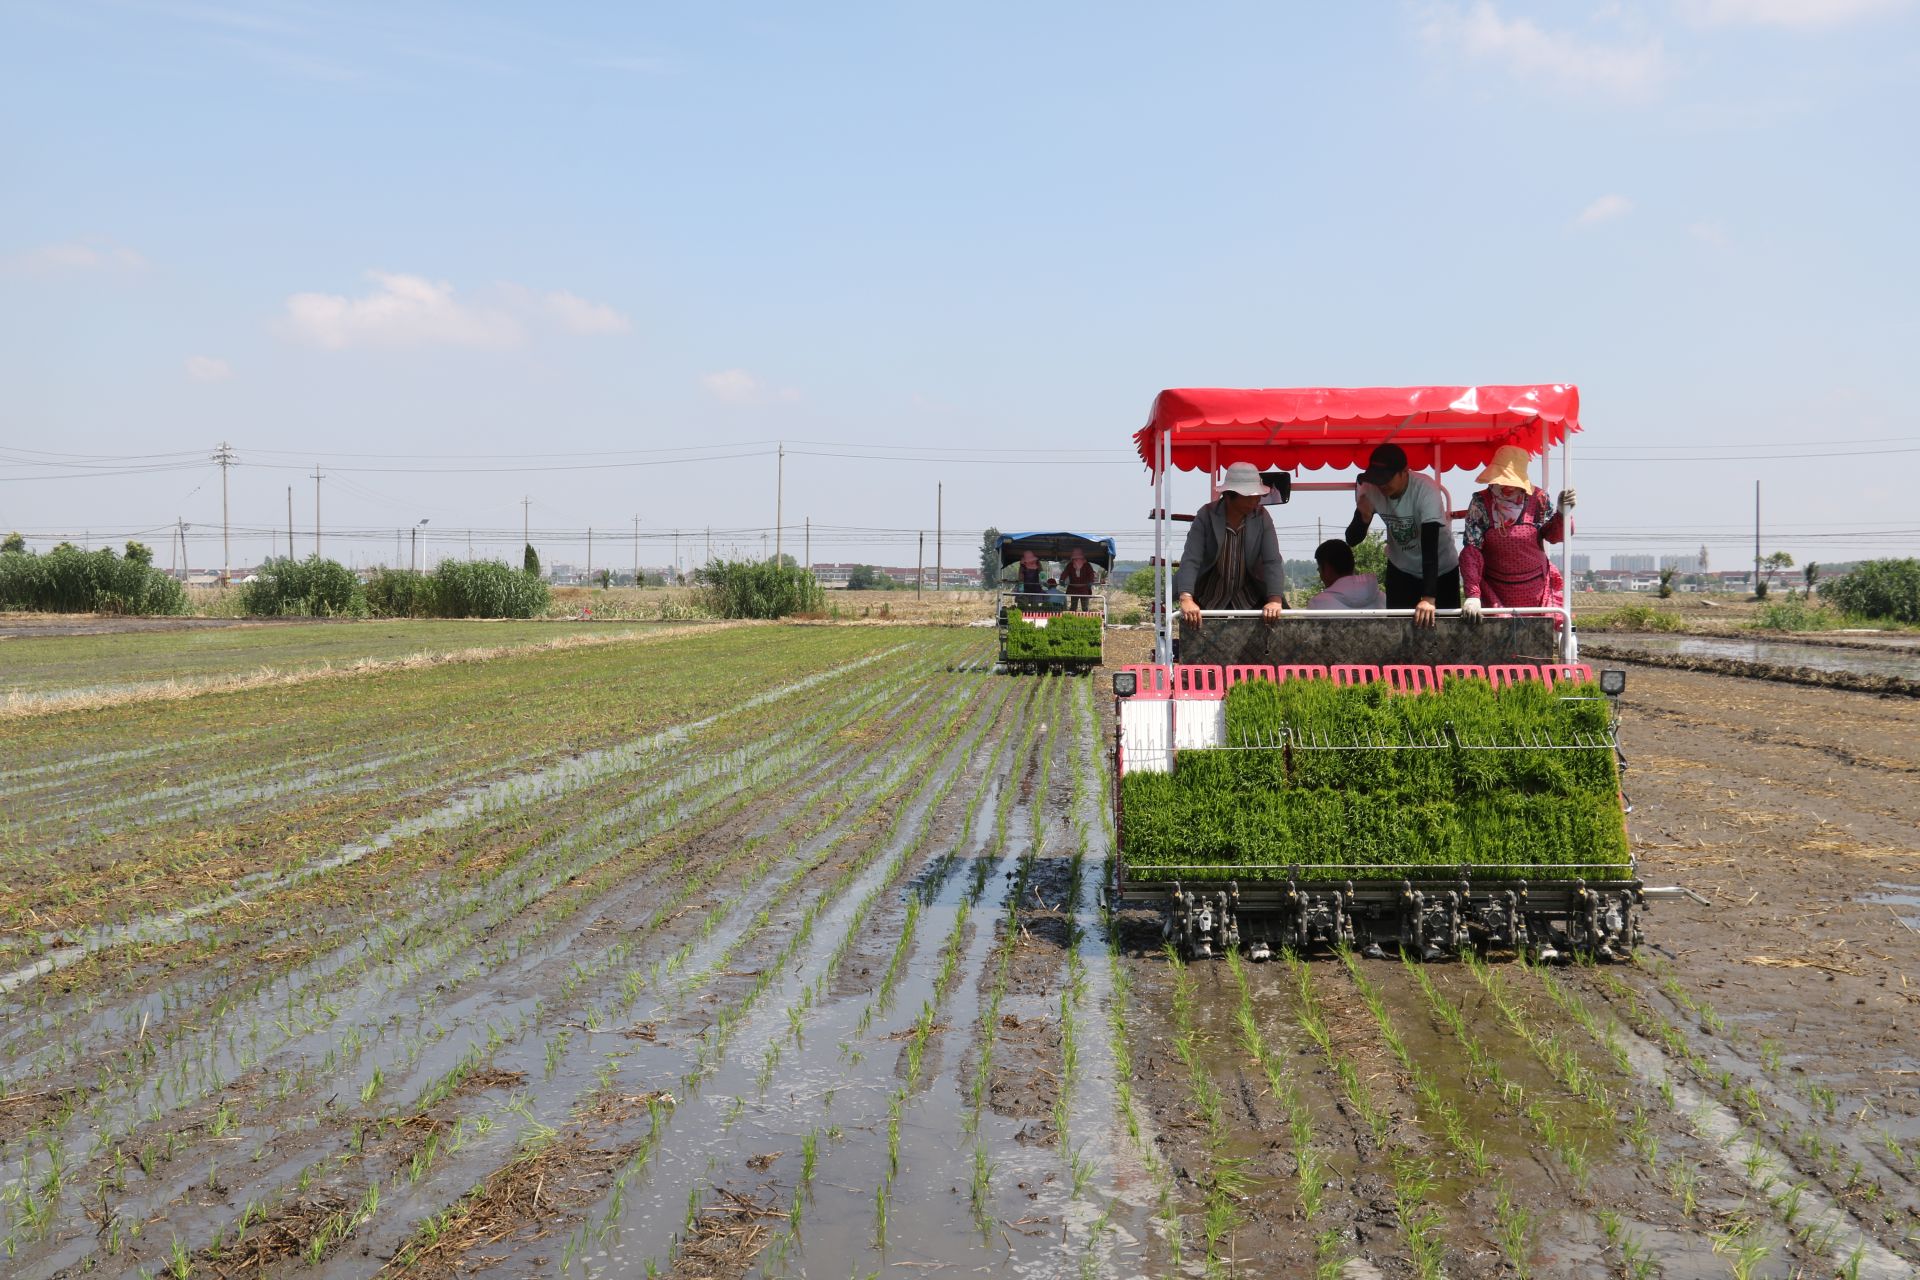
[
  {"x": 1162, "y": 570},
  {"x": 1568, "y": 645}
]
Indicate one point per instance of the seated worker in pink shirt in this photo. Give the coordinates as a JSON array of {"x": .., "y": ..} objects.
[{"x": 1345, "y": 589}]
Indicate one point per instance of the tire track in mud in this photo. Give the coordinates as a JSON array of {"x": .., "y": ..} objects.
[{"x": 903, "y": 712}]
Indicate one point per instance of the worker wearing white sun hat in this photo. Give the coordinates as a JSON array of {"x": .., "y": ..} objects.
[{"x": 1232, "y": 557}]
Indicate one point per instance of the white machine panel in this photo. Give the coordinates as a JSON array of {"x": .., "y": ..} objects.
[{"x": 1147, "y": 726}]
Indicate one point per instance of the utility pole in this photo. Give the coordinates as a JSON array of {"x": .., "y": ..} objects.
[
  {"x": 469, "y": 546},
  {"x": 526, "y": 530},
  {"x": 1757, "y": 590},
  {"x": 224, "y": 456},
  {"x": 779, "y": 497},
  {"x": 636, "y": 551},
  {"x": 809, "y": 543},
  {"x": 589, "y": 553},
  {"x": 676, "y": 559},
  {"x": 289, "y": 522},
  {"x": 316, "y": 508},
  {"x": 939, "y": 528},
  {"x": 709, "y": 544},
  {"x": 920, "y": 567}
]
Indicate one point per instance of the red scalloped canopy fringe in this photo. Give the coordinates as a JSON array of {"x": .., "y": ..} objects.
[{"x": 1305, "y": 428}]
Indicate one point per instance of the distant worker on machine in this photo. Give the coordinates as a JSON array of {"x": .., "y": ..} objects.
[
  {"x": 1079, "y": 574},
  {"x": 1056, "y": 598},
  {"x": 1032, "y": 581},
  {"x": 1504, "y": 563},
  {"x": 1232, "y": 557},
  {"x": 1345, "y": 588},
  {"x": 1423, "y": 564}
]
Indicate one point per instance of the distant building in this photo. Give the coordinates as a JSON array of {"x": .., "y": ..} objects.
[
  {"x": 1632, "y": 564},
  {"x": 1682, "y": 564},
  {"x": 837, "y": 575},
  {"x": 1581, "y": 562}
]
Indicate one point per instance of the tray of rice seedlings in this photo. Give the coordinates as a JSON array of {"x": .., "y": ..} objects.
[
  {"x": 1521, "y": 783},
  {"x": 1068, "y": 638}
]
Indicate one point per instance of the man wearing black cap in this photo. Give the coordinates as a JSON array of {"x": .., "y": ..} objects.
[{"x": 1423, "y": 564}]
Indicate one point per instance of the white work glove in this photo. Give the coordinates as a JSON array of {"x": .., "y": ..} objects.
[
  {"x": 1566, "y": 499},
  {"x": 1470, "y": 608}
]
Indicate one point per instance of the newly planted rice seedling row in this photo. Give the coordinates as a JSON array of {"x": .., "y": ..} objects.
[{"x": 1310, "y": 1163}]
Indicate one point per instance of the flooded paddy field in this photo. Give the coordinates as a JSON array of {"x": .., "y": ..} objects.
[
  {"x": 1879, "y": 663},
  {"x": 783, "y": 951}
]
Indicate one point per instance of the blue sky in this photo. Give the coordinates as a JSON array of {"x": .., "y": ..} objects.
[{"x": 573, "y": 233}]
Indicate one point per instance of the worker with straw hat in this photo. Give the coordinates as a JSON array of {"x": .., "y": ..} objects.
[{"x": 1503, "y": 562}]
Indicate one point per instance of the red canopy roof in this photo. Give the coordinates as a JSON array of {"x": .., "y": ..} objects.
[{"x": 1303, "y": 428}]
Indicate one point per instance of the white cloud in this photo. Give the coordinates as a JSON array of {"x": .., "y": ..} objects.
[
  {"x": 1786, "y": 13},
  {"x": 737, "y": 386},
  {"x": 208, "y": 369},
  {"x": 75, "y": 255},
  {"x": 411, "y": 311},
  {"x": 576, "y": 315},
  {"x": 1605, "y": 209},
  {"x": 405, "y": 311},
  {"x": 1529, "y": 51}
]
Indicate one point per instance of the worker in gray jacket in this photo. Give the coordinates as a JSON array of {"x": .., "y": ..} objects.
[{"x": 1232, "y": 557}]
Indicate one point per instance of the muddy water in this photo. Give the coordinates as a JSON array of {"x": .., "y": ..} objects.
[
  {"x": 1904, "y": 899},
  {"x": 1902, "y": 662},
  {"x": 818, "y": 1087}
]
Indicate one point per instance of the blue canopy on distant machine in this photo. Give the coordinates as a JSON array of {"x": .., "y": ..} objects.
[{"x": 1056, "y": 546}]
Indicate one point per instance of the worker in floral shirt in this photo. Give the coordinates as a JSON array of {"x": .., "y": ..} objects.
[{"x": 1503, "y": 562}]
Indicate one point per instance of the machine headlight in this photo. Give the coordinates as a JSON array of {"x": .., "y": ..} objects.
[
  {"x": 1125, "y": 684},
  {"x": 1613, "y": 682}
]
